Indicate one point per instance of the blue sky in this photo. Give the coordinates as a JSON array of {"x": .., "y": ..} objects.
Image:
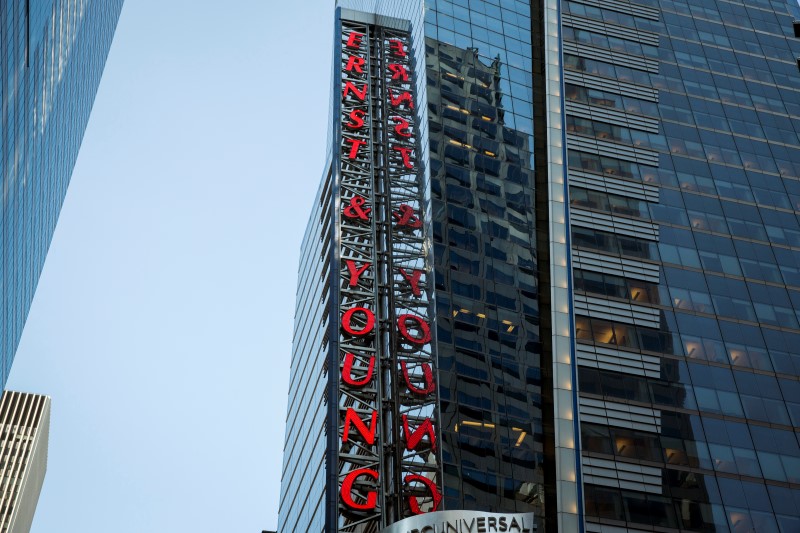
[{"x": 162, "y": 323}]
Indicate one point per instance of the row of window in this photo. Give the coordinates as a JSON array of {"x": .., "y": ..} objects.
[
  {"x": 612, "y": 43},
  {"x": 699, "y": 337},
  {"x": 612, "y": 166},
  {"x": 612, "y": 203},
  {"x": 613, "y": 243},
  {"x": 685, "y": 513},
  {"x": 608, "y": 70},
  {"x": 611, "y": 132},
  {"x": 490, "y": 44},
  {"x": 733, "y": 183},
  {"x": 733, "y": 257},
  {"x": 595, "y": 97},
  {"x": 615, "y": 286},
  {"x": 692, "y": 451},
  {"x": 693, "y": 55},
  {"x": 682, "y": 80},
  {"x": 768, "y": 41},
  {"x": 683, "y": 395},
  {"x": 726, "y": 217},
  {"x": 607, "y": 15}
]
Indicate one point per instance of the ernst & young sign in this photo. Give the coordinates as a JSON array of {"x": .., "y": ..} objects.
[{"x": 387, "y": 463}]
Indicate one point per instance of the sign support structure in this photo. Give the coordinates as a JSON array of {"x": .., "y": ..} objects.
[{"x": 384, "y": 458}]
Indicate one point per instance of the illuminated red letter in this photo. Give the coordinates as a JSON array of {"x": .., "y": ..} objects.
[
  {"x": 402, "y": 127},
  {"x": 347, "y": 490},
  {"x": 405, "y": 96},
  {"x": 405, "y": 217},
  {"x": 348, "y": 315},
  {"x": 412, "y": 500},
  {"x": 356, "y": 209},
  {"x": 350, "y": 88},
  {"x": 355, "y": 273},
  {"x": 347, "y": 372},
  {"x": 355, "y": 62},
  {"x": 398, "y": 71},
  {"x": 422, "y": 326},
  {"x": 397, "y": 47},
  {"x": 354, "y": 40},
  {"x": 413, "y": 280},
  {"x": 426, "y": 372},
  {"x": 355, "y": 144},
  {"x": 356, "y": 119},
  {"x": 406, "y": 153},
  {"x": 414, "y": 438},
  {"x": 367, "y": 433}
]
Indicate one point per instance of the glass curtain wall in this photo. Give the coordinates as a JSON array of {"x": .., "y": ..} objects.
[{"x": 698, "y": 342}]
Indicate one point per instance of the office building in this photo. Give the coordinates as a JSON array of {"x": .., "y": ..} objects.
[
  {"x": 562, "y": 292},
  {"x": 53, "y": 53},
  {"x": 25, "y": 426}
]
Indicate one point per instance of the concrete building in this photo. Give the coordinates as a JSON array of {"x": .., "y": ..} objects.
[{"x": 25, "y": 427}]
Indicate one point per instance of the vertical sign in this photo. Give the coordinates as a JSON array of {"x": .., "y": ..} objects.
[
  {"x": 387, "y": 464},
  {"x": 413, "y": 401},
  {"x": 358, "y": 395}
]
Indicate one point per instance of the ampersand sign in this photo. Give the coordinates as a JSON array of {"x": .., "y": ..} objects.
[
  {"x": 356, "y": 209},
  {"x": 406, "y": 217}
]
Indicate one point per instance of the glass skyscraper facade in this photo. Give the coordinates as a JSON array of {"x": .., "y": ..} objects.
[
  {"x": 612, "y": 201},
  {"x": 52, "y": 54}
]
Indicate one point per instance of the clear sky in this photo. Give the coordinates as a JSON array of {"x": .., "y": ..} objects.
[{"x": 162, "y": 323}]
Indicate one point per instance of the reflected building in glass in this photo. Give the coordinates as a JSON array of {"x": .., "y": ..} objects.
[
  {"x": 53, "y": 53},
  {"x": 611, "y": 202}
]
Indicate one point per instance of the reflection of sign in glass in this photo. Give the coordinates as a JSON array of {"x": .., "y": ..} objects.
[{"x": 465, "y": 522}]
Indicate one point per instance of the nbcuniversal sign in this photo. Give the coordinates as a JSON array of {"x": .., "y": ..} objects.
[
  {"x": 465, "y": 522},
  {"x": 387, "y": 464}
]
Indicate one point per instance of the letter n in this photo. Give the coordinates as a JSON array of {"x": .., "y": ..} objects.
[
  {"x": 367, "y": 433},
  {"x": 414, "y": 438},
  {"x": 360, "y": 94}
]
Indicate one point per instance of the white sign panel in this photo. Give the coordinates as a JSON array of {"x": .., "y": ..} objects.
[{"x": 465, "y": 522}]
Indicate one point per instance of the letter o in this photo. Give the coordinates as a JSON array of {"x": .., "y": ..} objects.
[
  {"x": 348, "y": 327},
  {"x": 402, "y": 325}
]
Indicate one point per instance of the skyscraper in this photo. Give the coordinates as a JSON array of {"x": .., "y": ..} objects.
[
  {"x": 25, "y": 428},
  {"x": 53, "y": 53},
  {"x": 592, "y": 323}
]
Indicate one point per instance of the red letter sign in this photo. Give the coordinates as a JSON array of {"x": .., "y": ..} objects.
[
  {"x": 422, "y": 326},
  {"x": 354, "y": 40},
  {"x": 402, "y": 127},
  {"x": 355, "y": 144},
  {"x": 397, "y": 47},
  {"x": 357, "y": 63},
  {"x": 355, "y": 273},
  {"x": 405, "y": 96},
  {"x": 413, "y": 438},
  {"x": 356, "y": 119},
  {"x": 368, "y": 434},
  {"x": 347, "y": 371},
  {"x": 406, "y": 152},
  {"x": 356, "y": 208},
  {"x": 348, "y": 315},
  {"x": 347, "y": 490},
  {"x": 398, "y": 71},
  {"x": 412, "y": 501},
  {"x": 426, "y": 372},
  {"x": 405, "y": 217},
  {"x": 350, "y": 88},
  {"x": 413, "y": 280}
]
